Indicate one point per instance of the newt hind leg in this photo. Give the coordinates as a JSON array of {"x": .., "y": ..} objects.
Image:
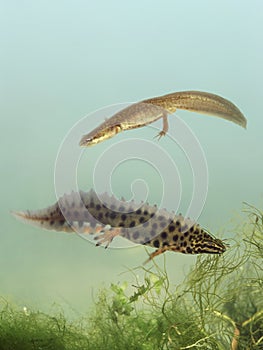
[
  {"x": 107, "y": 237},
  {"x": 165, "y": 127}
]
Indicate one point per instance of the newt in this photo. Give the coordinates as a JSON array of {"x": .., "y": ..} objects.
[
  {"x": 148, "y": 111},
  {"x": 105, "y": 217}
]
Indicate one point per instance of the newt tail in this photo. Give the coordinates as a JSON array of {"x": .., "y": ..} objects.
[
  {"x": 106, "y": 217},
  {"x": 201, "y": 102}
]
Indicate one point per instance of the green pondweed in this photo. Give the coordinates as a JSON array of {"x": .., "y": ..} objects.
[{"x": 218, "y": 306}]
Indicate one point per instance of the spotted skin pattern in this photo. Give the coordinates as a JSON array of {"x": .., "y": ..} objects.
[{"x": 106, "y": 217}]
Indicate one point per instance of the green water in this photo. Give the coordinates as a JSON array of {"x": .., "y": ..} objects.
[{"x": 61, "y": 61}]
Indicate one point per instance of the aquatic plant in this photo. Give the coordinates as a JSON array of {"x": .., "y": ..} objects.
[
  {"x": 28, "y": 330},
  {"x": 218, "y": 306}
]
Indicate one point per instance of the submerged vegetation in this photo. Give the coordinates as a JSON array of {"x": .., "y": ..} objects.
[{"x": 218, "y": 306}]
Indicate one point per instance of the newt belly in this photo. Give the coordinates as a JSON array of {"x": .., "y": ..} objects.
[{"x": 106, "y": 217}]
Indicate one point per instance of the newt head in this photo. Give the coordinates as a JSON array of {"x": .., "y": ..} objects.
[
  {"x": 205, "y": 243},
  {"x": 101, "y": 133}
]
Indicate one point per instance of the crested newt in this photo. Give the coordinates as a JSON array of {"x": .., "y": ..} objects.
[{"x": 106, "y": 217}]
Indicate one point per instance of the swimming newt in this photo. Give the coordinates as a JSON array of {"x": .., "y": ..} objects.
[
  {"x": 106, "y": 217},
  {"x": 150, "y": 110}
]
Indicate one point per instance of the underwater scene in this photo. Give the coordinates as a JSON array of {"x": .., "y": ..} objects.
[{"x": 132, "y": 167}]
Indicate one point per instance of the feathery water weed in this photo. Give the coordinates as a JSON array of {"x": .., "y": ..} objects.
[{"x": 218, "y": 306}]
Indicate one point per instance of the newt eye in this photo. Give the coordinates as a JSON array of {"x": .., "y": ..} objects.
[{"x": 117, "y": 128}]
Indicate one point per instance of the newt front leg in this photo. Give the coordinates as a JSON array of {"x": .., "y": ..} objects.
[{"x": 157, "y": 252}]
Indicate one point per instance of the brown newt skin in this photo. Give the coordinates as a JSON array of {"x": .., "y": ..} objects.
[
  {"x": 148, "y": 111},
  {"x": 106, "y": 218}
]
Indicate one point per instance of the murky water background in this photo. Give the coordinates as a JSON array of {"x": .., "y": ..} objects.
[{"x": 62, "y": 61}]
